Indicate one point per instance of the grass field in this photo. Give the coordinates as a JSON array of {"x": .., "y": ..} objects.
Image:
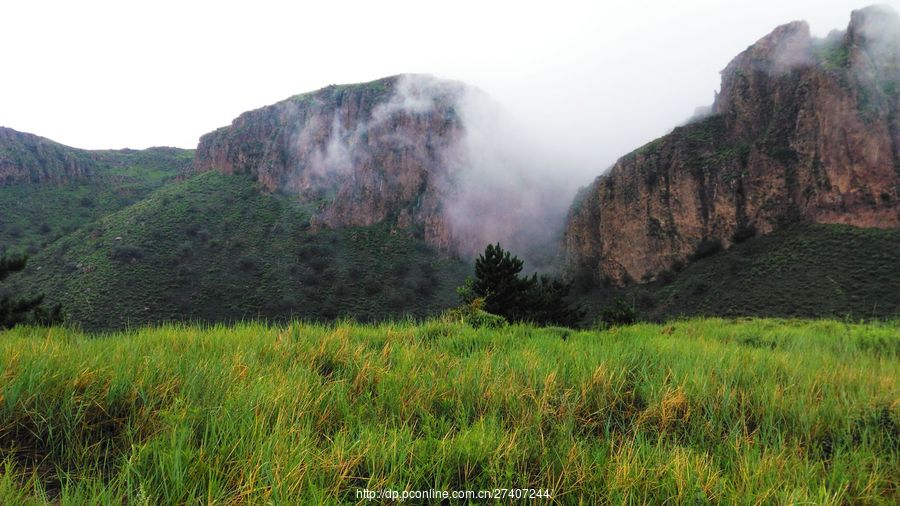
[{"x": 690, "y": 412}]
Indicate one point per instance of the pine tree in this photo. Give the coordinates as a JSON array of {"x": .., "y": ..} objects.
[
  {"x": 497, "y": 281},
  {"x": 546, "y": 303},
  {"x": 539, "y": 300}
]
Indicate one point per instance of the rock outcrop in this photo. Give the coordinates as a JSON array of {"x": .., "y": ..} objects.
[
  {"x": 27, "y": 158},
  {"x": 363, "y": 153},
  {"x": 802, "y": 129}
]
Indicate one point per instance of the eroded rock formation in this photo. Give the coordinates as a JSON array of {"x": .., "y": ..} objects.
[
  {"x": 363, "y": 153},
  {"x": 27, "y": 158},
  {"x": 803, "y": 129}
]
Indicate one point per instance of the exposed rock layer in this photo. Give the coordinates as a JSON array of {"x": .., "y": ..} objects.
[
  {"x": 803, "y": 129},
  {"x": 27, "y": 158},
  {"x": 364, "y": 153}
]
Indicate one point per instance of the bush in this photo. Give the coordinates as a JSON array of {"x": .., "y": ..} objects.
[
  {"x": 743, "y": 233},
  {"x": 474, "y": 315},
  {"x": 699, "y": 288},
  {"x": 667, "y": 276},
  {"x": 425, "y": 287},
  {"x": 706, "y": 248},
  {"x": 185, "y": 250},
  {"x": 126, "y": 254},
  {"x": 28, "y": 310},
  {"x": 247, "y": 263},
  {"x": 619, "y": 313},
  {"x": 482, "y": 319}
]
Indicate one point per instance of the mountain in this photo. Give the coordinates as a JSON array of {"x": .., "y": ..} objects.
[
  {"x": 48, "y": 190},
  {"x": 327, "y": 204},
  {"x": 803, "y": 130},
  {"x": 369, "y": 200},
  {"x": 367, "y": 153},
  {"x": 435, "y": 157}
]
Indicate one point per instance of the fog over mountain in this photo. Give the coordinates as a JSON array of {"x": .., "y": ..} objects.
[{"x": 591, "y": 82}]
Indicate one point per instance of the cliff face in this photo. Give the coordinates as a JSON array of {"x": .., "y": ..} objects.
[
  {"x": 27, "y": 158},
  {"x": 364, "y": 153},
  {"x": 803, "y": 129}
]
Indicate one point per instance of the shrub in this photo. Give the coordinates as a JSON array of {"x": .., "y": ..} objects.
[
  {"x": 699, "y": 288},
  {"x": 372, "y": 286},
  {"x": 425, "y": 287},
  {"x": 185, "y": 250},
  {"x": 14, "y": 310},
  {"x": 706, "y": 248},
  {"x": 126, "y": 253},
  {"x": 667, "y": 276},
  {"x": 483, "y": 319},
  {"x": 619, "y": 313},
  {"x": 473, "y": 314},
  {"x": 248, "y": 263},
  {"x": 743, "y": 233}
]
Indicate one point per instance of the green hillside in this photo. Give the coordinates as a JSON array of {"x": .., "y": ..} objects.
[
  {"x": 33, "y": 215},
  {"x": 802, "y": 271},
  {"x": 692, "y": 412},
  {"x": 215, "y": 248}
]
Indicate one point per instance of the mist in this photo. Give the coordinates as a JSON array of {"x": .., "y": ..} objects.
[
  {"x": 594, "y": 80},
  {"x": 566, "y": 88}
]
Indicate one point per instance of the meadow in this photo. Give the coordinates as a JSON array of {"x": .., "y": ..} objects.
[{"x": 745, "y": 411}]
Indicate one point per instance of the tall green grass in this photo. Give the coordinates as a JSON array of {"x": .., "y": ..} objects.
[{"x": 696, "y": 411}]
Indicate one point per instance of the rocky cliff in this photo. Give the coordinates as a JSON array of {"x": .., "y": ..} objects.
[
  {"x": 434, "y": 157},
  {"x": 802, "y": 130},
  {"x": 364, "y": 153},
  {"x": 27, "y": 158}
]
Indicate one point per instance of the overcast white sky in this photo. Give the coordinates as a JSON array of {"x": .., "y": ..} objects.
[{"x": 600, "y": 78}]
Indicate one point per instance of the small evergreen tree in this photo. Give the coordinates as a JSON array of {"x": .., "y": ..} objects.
[
  {"x": 14, "y": 310},
  {"x": 540, "y": 300},
  {"x": 619, "y": 313},
  {"x": 546, "y": 304},
  {"x": 497, "y": 281}
]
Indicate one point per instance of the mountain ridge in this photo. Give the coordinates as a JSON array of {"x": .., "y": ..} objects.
[{"x": 796, "y": 134}]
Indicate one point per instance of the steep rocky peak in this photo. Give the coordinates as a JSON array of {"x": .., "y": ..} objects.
[
  {"x": 787, "y": 48},
  {"x": 803, "y": 129},
  {"x": 435, "y": 157},
  {"x": 876, "y": 24}
]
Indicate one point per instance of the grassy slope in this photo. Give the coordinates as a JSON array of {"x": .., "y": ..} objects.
[
  {"x": 806, "y": 270},
  {"x": 34, "y": 215},
  {"x": 727, "y": 412},
  {"x": 215, "y": 248}
]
